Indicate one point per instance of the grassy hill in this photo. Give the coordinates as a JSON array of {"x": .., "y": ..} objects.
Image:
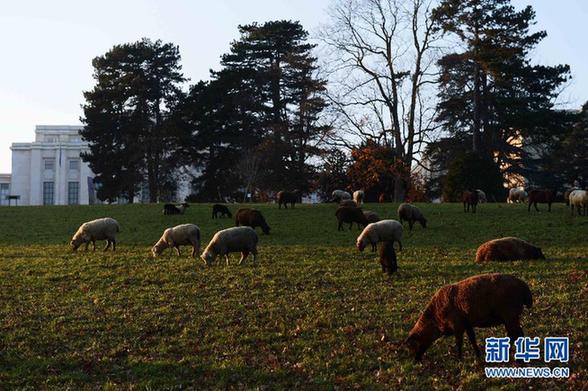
[{"x": 315, "y": 313}]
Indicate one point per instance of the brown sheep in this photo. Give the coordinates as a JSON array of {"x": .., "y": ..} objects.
[
  {"x": 411, "y": 214},
  {"x": 348, "y": 203},
  {"x": 251, "y": 218},
  {"x": 372, "y": 217},
  {"x": 544, "y": 196},
  {"x": 507, "y": 249},
  {"x": 349, "y": 215},
  {"x": 388, "y": 258},
  {"x": 485, "y": 300},
  {"x": 470, "y": 198},
  {"x": 286, "y": 197}
]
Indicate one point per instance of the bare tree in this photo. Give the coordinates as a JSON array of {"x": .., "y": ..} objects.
[
  {"x": 382, "y": 60},
  {"x": 248, "y": 170}
]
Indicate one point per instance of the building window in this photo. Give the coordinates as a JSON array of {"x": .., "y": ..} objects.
[
  {"x": 49, "y": 164},
  {"x": 74, "y": 164},
  {"x": 51, "y": 139},
  {"x": 73, "y": 193},
  {"x": 4, "y": 192},
  {"x": 48, "y": 193}
]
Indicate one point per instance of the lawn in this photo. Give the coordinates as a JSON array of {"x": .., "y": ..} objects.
[{"x": 313, "y": 314}]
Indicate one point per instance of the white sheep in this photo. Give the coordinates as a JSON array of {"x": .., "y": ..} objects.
[
  {"x": 382, "y": 231},
  {"x": 579, "y": 199},
  {"x": 340, "y": 195},
  {"x": 481, "y": 196},
  {"x": 358, "y": 197},
  {"x": 517, "y": 194},
  {"x": 235, "y": 239},
  {"x": 180, "y": 235},
  {"x": 100, "y": 229}
]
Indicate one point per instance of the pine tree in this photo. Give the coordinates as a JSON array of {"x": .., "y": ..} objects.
[
  {"x": 126, "y": 117},
  {"x": 260, "y": 111},
  {"x": 491, "y": 91}
]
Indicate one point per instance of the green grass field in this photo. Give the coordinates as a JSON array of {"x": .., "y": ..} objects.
[{"x": 314, "y": 314}]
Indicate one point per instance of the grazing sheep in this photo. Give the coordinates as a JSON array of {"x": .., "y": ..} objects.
[
  {"x": 171, "y": 209},
  {"x": 516, "y": 194},
  {"x": 481, "y": 196},
  {"x": 180, "y": 235},
  {"x": 230, "y": 240},
  {"x": 544, "y": 196},
  {"x": 567, "y": 196},
  {"x": 340, "y": 195},
  {"x": 350, "y": 215},
  {"x": 470, "y": 199},
  {"x": 411, "y": 214},
  {"x": 222, "y": 210},
  {"x": 382, "y": 231},
  {"x": 579, "y": 200},
  {"x": 371, "y": 217},
  {"x": 252, "y": 218},
  {"x": 382, "y": 198},
  {"x": 100, "y": 229},
  {"x": 388, "y": 258},
  {"x": 485, "y": 300},
  {"x": 507, "y": 249},
  {"x": 348, "y": 203},
  {"x": 358, "y": 196},
  {"x": 286, "y": 197}
]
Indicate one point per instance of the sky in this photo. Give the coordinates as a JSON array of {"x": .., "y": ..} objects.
[{"x": 47, "y": 47}]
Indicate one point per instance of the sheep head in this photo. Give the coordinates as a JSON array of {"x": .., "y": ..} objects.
[
  {"x": 208, "y": 257},
  {"x": 422, "y": 336},
  {"x": 77, "y": 241}
]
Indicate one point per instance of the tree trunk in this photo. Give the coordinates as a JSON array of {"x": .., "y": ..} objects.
[
  {"x": 131, "y": 195},
  {"x": 399, "y": 189},
  {"x": 477, "y": 106}
]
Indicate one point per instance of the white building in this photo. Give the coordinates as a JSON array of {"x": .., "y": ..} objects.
[
  {"x": 49, "y": 171},
  {"x": 4, "y": 188}
]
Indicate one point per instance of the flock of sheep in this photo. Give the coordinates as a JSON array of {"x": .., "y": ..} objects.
[{"x": 453, "y": 310}]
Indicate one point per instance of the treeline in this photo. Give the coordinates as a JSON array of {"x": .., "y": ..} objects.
[{"x": 392, "y": 114}]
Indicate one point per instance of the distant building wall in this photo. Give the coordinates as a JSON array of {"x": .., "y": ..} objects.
[{"x": 49, "y": 170}]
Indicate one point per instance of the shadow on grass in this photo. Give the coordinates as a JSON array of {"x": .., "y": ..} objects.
[{"x": 35, "y": 372}]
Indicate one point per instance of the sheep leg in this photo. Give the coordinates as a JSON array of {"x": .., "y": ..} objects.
[
  {"x": 113, "y": 244},
  {"x": 87, "y": 244},
  {"x": 244, "y": 255},
  {"x": 392, "y": 263},
  {"x": 410, "y": 225},
  {"x": 227, "y": 259},
  {"x": 374, "y": 247},
  {"x": 194, "y": 251},
  {"x": 472, "y": 338},
  {"x": 177, "y": 250},
  {"x": 107, "y": 245},
  {"x": 94, "y": 244},
  {"x": 340, "y": 226},
  {"x": 459, "y": 344},
  {"x": 513, "y": 329}
]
